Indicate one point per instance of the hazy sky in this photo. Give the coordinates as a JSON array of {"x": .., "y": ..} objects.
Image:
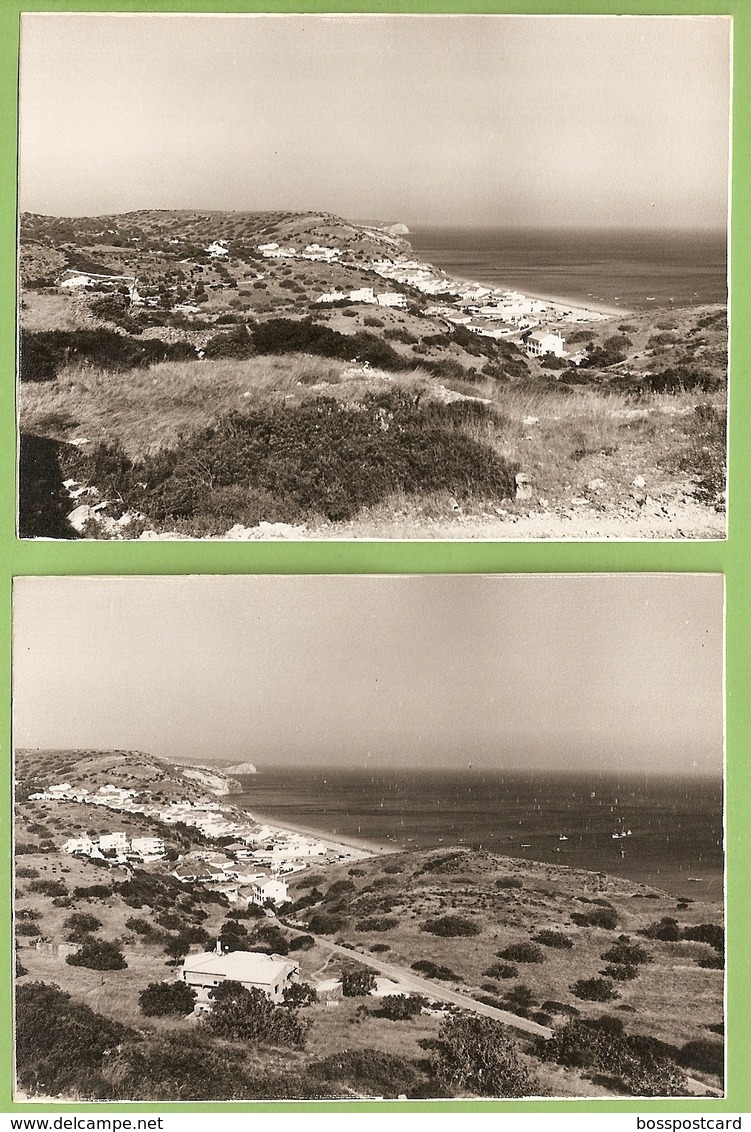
[
  {"x": 618, "y": 672},
  {"x": 426, "y": 119}
]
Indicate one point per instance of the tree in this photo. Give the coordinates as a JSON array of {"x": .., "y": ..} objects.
[
  {"x": 402, "y": 1007},
  {"x": 299, "y": 994},
  {"x": 158, "y": 999},
  {"x": 98, "y": 955},
  {"x": 357, "y": 982},
  {"x": 477, "y": 1054},
  {"x": 247, "y": 1015}
]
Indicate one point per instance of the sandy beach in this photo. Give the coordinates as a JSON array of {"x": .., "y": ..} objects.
[{"x": 362, "y": 847}]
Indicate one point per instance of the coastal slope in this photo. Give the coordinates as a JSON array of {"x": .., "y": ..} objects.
[
  {"x": 397, "y": 401},
  {"x": 108, "y": 880}
]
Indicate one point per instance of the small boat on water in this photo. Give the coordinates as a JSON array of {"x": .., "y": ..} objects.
[{"x": 562, "y": 837}]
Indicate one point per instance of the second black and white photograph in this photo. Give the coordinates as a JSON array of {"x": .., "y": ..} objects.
[{"x": 369, "y": 838}]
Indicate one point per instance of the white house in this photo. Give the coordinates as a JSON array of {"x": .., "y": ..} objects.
[
  {"x": 269, "y": 973},
  {"x": 81, "y": 845},
  {"x": 218, "y": 248},
  {"x": 362, "y": 295},
  {"x": 542, "y": 342},
  {"x": 391, "y": 299},
  {"x": 270, "y": 888},
  {"x": 147, "y": 846},
  {"x": 331, "y": 297},
  {"x": 116, "y": 841}
]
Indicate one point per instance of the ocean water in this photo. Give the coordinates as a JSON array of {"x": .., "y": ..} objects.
[
  {"x": 676, "y": 839},
  {"x": 633, "y": 270}
]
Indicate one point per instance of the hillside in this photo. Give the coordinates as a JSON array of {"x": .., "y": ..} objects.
[
  {"x": 552, "y": 960},
  {"x": 274, "y": 373}
]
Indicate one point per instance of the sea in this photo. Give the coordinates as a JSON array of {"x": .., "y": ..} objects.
[
  {"x": 623, "y": 269},
  {"x": 658, "y": 830}
]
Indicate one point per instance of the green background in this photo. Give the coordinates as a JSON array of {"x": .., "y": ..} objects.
[{"x": 730, "y": 557}]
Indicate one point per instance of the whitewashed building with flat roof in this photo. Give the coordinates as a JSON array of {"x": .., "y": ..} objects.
[
  {"x": 268, "y": 973},
  {"x": 542, "y": 342}
]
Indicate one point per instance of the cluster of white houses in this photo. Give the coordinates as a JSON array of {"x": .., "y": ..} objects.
[
  {"x": 249, "y": 869},
  {"x": 365, "y": 295},
  {"x": 117, "y": 846}
]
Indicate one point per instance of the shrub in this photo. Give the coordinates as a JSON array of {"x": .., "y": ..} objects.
[
  {"x": 628, "y": 953},
  {"x": 301, "y": 943},
  {"x": 143, "y": 927},
  {"x": 620, "y": 971},
  {"x": 509, "y": 882},
  {"x": 26, "y": 927},
  {"x": 712, "y": 934},
  {"x": 600, "y": 1044},
  {"x": 666, "y": 929},
  {"x": 523, "y": 953},
  {"x": 377, "y": 924},
  {"x": 594, "y": 990},
  {"x": 367, "y": 1071},
  {"x": 93, "y": 891},
  {"x": 401, "y": 1007},
  {"x": 83, "y": 922},
  {"x": 706, "y": 1056},
  {"x": 299, "y": 994},
  {"x": 99, "y": 955},
  {"x": 48, "y": 887},
  {"x": 379, "y": 947},
  {"x": 324, "y": 924},
  {"x": 553, "y": 939},
  {"x": 451, "y": 926},
  {"x": 60, "y": 1044},
  {"x": 433, "y": 971},
  {"x": 519, "y": 998},
  {"x": 596, "y": 918},
  {"x": 249, "y": 1016},
  {"x": 477, "y": 1054},
  {"x": 501, "y": 971},
  {"x": 158, "y": 999},
  {"x": 358, "y": 982}
]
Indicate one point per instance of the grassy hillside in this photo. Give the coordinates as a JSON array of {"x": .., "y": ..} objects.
[
  {"x": 633, "y": 439},
  {"x": 628, "y": 976}
]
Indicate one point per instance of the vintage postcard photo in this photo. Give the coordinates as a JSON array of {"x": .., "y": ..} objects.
[
  {"x": 373, "y": 276},
  {"x": 369, "y": 837}
]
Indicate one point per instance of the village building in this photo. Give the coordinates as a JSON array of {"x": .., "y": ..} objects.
[
  {"x": 362, "y": 295},
  {"x": 218, "y": 249},
  {"x": 392, "y": 299},
  {"x": 147, "y": 846},
  {"x": 271, "y": 974},
  {"x": 270, "y": 888},
  {"x": 541, "y": 342},
  {"x": 113, "y": 841},
  {"x": 81, "y": 845}
]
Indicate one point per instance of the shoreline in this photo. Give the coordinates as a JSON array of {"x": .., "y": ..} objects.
[
  {"x": 596, "y": 308},
  {"x": 331, "y": 841}
]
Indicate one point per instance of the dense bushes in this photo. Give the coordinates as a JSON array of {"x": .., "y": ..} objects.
[
  {"x": 553, "y": 939},
  {"x": 358, "y": 982},
  {"x": 367, "y": 1071},
  {"x": 596, "y": 918},
  {"x": 477, "y": 1054},
  {"x": 44, "y": 353},
  {"x": 158, "y": 999},
  {"x": 451, "y": 926},
  {"x": 640, "y": 1063},
  {"x": 249, "y": 1016},
  {"x": 60, "y": 1043},
  {"x": 628, "y": 953},
  {"x": 285, "y": 336},
  {"x": 501, "y": 971},
  {"x": 594, "y": 990},
  {"x": 401, "y": 1007},
  {"x": 321, "y": 457},
  {"x": 99, "y": 955},
  {"x": 434, "y": 971},
  {"x": 522, "y": 953}
]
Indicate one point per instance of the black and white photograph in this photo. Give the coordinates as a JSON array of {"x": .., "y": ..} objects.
[
  {"x": 373, "y": 276},
  {"x": 360, "y": 837}
]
